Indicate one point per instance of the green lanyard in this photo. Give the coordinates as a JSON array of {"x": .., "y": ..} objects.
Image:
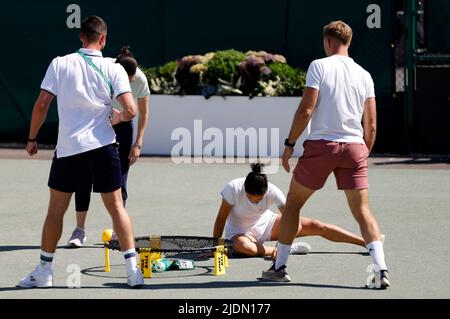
[{"x": 111, "y": 90}]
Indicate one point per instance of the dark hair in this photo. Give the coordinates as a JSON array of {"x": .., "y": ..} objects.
[
  {"x": 256, "y": 182},
  {"x": 93, "y": 27},
  {"x": 127, "y": 60}
]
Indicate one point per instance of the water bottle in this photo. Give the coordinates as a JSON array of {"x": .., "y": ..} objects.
[{"x": 162, "y": 265}]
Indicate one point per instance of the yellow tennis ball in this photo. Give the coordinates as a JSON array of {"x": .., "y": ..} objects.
[{"x": 107, "y": 235}]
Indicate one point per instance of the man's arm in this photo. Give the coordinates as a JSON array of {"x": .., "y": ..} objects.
[
  {"x": 40, "y": 111},
  {"x": 142, "y": 124},
  {"x": 303, "y": 113},
  {"x": 300, "y": 122},
  {"x": 129, "y": 109},
  {"x": 370, "y": 122}
]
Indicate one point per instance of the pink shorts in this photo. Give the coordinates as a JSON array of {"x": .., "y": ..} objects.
[{"x": 348, "y": 162}]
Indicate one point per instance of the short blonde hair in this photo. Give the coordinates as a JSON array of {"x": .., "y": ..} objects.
[{"x": 339, "y": 30}]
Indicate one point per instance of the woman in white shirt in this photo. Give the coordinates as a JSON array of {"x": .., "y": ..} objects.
[{"x": 248, "y": 221}]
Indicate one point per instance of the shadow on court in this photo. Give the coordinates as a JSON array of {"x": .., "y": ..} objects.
[
  {"x": 241, "y": 284},
  {"x": 416, "y": 161},
  {"x": 24, "y": 247}
]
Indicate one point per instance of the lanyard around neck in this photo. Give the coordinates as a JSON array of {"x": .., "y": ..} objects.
[{"x": 88, "y": 61}]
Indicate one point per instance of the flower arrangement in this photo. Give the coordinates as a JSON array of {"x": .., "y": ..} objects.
[{"x": 228, "y": 72}]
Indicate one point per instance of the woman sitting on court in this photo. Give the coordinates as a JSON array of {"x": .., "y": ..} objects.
[{"x": 245, "y": 215}]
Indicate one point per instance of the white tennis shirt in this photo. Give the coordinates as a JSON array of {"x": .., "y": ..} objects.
[
  {"x": 344, "y": 86},
  {"x": 246, "y": 215},
  {"x": 139, "y": 87},
  {"x": 84, "y": 100}
]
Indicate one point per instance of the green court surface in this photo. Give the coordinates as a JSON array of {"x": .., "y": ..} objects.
[{"x": 411, "y": 202}]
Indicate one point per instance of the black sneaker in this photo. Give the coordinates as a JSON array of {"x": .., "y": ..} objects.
[{"x": 279, "y": 275}]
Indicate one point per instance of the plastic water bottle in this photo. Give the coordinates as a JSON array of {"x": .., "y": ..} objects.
[{"x": 162, "y": 265}]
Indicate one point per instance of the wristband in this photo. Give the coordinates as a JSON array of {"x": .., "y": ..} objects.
[{"x": 286, "y": 143}]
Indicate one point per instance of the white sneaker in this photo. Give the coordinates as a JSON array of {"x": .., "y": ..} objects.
[
  {"x": 39, "y": 278},
  {"x": 77, "y": 239},
  {"x": 300, "y": 248},
  {"x": 380, "y": 280},
  {"x": 135, "y": 279}
]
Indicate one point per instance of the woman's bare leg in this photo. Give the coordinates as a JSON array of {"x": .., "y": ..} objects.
[
  {"x": 246, "y": 245},
  {"x": 311, "y": 227}
]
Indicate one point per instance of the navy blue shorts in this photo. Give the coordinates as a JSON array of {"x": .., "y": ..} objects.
[{"x": 101, "y": 167}]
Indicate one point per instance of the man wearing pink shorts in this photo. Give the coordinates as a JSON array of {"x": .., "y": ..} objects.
[{"x": 339, "y": 100}]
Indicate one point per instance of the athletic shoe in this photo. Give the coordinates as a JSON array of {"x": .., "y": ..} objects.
[
  {"x": 279, "y": 275},
  {"x": 384, "y": 279},
  {"x": 380, "y": 280},
  {"x": 39, "y": 278},
  {"x": 300, "y": 248},
  {"x": 77, "y": 239},
  {"x": 135, "y": 279}
]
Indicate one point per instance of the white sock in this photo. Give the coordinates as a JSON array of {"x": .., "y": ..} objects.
[
  {"x": 130, "y": 259},
  {"x": 46, "y": 260},
  {"x": 282, "y": 255},
  {"x": 377, "y": 252}
]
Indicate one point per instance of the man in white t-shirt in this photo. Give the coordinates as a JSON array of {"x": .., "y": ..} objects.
[
  {"x": 339, "y": 99},
  {"x": 85, "y": 85},
  {"x": 128, "y": 152}
]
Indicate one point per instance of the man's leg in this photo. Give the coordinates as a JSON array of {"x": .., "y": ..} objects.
[
  {"x": 124, "y": 231},
  {"x": 120, "y": 218},
  {"x": 358, "y": 201},
  {"x": 42, "y": 276},
  {"x": 53, "y": 226},
  {"x": 290, "y": 225}
]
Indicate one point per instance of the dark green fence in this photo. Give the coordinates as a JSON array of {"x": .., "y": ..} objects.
[{"x": 162, "y": 30}]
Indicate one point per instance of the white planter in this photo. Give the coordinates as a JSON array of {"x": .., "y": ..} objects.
[{"x": 194, "y": 122}]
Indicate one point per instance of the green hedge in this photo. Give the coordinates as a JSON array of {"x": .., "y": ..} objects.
[{"x": 228, "y": 72}]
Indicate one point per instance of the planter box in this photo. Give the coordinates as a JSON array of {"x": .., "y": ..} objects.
[{"x": 219, "y": 126}]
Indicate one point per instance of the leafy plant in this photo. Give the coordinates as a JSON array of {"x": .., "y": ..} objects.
[
  {"x": 224, "y": 66},
  {"x": 292, "y": 81},
  {"x": 229, "y": 72}
]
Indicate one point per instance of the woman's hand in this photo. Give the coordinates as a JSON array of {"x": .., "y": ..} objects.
[{"x": 135, "y": 153}]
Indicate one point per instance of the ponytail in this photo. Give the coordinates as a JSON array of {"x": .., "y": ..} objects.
[{"x": 256, "y": 182}]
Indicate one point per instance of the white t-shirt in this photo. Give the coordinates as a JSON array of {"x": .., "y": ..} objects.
[
  {"x": 344, "y": 87},
  {"x": 139, "y": 87},
  {"x": 84, "y": 100},
  {"x": 245, "y": 215}
]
